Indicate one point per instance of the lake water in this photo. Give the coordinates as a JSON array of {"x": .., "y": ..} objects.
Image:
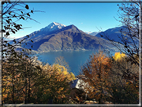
[{"x": 75, "y": 59}]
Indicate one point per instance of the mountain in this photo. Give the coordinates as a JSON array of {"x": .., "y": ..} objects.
[
  {"x": 57, "y": 37},
  {"x": 92, "y": 33},
  {"x": 114, "y": 34},
  {"x": 36, "y": 35},
  {"x": 119, "y": 34},
  {"x": 6, "y": 39}
]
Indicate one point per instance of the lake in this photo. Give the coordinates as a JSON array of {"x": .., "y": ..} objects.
[{"x": 75, "y": 59}]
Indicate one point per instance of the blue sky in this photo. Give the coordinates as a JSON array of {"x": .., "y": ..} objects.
[{"x": 88, "y": 17}]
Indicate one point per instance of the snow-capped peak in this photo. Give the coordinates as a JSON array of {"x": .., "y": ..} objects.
[
  {"x": 58, "y": 24},
  {"x": 88, "y": 32},
  {"x": 53, "y": 26}
]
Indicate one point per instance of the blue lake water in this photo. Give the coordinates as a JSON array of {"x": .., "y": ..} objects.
[{"x": 75, "y": 59}]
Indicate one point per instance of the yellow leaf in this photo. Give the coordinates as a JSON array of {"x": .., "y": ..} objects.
[
  {"x": 77, "y": 98},
  {"x": 118, "y": 56}
]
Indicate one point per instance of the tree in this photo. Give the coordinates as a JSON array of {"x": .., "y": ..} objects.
[
  {"x": 52, "y": 85},
  {"x": 111, "y": 79},
  {"x": 129, "y": 38},
  {"x": 18, "y": 80},
  {"x": 130, "y": 18},
  {"x": 125, "y": 81},
  {"x": 96, "y": 73},
  {"x": 118, "y": 56},
  {"x": 61, "y": 61},
  {"x": 14, "y": 11},
  {"x": 11, "y": 14}
]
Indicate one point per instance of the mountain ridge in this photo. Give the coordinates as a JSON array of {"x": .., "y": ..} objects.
[{"x": 64, "y": 38}]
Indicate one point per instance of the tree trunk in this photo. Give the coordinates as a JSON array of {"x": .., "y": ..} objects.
[
  {"x": 13, "y": 101},
  {"x": 26, "y": 85},
  {"x": 29, "y": 91}
]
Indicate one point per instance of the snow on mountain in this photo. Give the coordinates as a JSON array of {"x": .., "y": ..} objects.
[
  {"x": 52, "y": 27},
  {"x": 67, "y": 38},
  {"x": 58, "y": 32},
  {"x": 88, "y": 32},
  {"x": 92, "y": 33},
  {"x": 57, "y": 36},
  {"x": 36, "y": 35}
]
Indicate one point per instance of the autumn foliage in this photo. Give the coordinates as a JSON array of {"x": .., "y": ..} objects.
[
  {"x": 125, "y": 80},
  {"x": 53, "y": 84},
  {"x": 106, "y": 79},
  {"x": 96, "y": 73},
  {"x": 111, "y": 79},
  {"x": 33, "y": 82},
  {"x": 119, "y": 56}
]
